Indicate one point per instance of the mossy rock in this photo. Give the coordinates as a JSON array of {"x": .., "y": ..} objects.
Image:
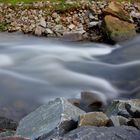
[
  {"x": 116, "y": 9},
  {"x": 118, "y": 30}
]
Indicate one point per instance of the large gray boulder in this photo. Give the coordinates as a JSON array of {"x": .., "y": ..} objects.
[
  {"x": 103, "y": 133},
  {"x": 50, "y": 120}
]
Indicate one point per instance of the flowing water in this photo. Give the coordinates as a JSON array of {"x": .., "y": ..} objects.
[{"x": 34, "y": 70}]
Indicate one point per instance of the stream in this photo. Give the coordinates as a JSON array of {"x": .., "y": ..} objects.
[{"x": 34, "y": 70}]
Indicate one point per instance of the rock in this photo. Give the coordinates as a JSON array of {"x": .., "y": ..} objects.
[
  {"x": 48, "y": 31},
  {"x": 59, "y": 28},
  {"x": 39, "y": 30},
  {"x": 49, "y": 120},
  {"x": 14, "y": 138},
  {"x": 135, "y": 122},
  {"x": 6, "y": 123},
  {"x": 94, "y": 23},
  {"x": 118, "y": 121},
  {"x": 7, "y": 134},
  {"x": 118, "y": 106},
  {"x": 93, "y": 118},
  {"x": 118, "y": 30},
  {"x": 117, "y": 10},
  {"x": 71, "y": 26},
  {"x": 42, "y": 23},
  {"x": 133, "y": 108},
  {"x": 104, "y": 133},
  {"x": 75, "y": 102},
  {"x": 72, "y": 36},
  {"x": 92, "y": 101}
]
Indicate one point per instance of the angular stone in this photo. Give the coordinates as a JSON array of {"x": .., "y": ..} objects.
[
  {"x": 118, "y": 121},
  {"x": 118, "y": 106},
  {"x": 119, "y": 30},
  {"x": 39, "y": 30},
  {"x": 117, "y": 10},
  {"x": 104, "y": 133},
  {"x": 6, "y": 123},
  {"x": 14, "y": 138},
  {"x": 135, "y": 122},
  {"x": 133, "y": 108},
  {"x": 42, "y": 23},
  {"x": 71, "y": 26},
  {"x": 49, "y": 120},
  {"x": 93, "y": 118}
]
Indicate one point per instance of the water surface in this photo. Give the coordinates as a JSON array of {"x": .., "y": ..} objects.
[{"x": 34, "y": 70}]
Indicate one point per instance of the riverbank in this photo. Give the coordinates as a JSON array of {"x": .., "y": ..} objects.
[{"x": 73, "y": 20}]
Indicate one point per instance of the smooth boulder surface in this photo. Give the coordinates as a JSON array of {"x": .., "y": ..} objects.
[
  {"x": 118, "y": 30},
  {"x": 52, "y": 119},
  {"x": 93, "y": 119},
  {"x": 104, "y": 133},
  {"x": 117, "y": 10}
]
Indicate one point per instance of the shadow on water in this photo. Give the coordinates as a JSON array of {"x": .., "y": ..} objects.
[{"x": 34, "y": 70}]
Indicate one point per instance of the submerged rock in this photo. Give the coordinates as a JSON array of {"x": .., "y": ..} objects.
[
  {"x": 118, "y": 30},
  {"x": 49, "y": 120},
  {"x": 93, "y": 118},
  {"x": 92, "y": 101},
  {"x": 103, "y": 133}
]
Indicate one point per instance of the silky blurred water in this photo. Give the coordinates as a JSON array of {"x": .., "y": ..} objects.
[{"x": 34, "y": 70}]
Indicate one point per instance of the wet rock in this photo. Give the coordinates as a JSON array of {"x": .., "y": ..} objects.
[
  {"x": 117, "y": 10},
  {"x": 92, "y": 101},
  {"x": 135, "y": 122},
  {"x": 116, "y": 107},
  {"x": 93, "y": 118},
  {"x": 14, "y": 138},
  {"x": 75, "y": 102},
  {"x": 6, "y": 123},
  {"x": 49, "y": 120},
  {"x": 133, "y": 108},
  {"x": 118, "y": 30},
  {"x": 118, "y": 121},
  {"x": 104, "y": 133},
  {"x": 119, "y": 106},
  {"x": 7, "y": 134}
]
